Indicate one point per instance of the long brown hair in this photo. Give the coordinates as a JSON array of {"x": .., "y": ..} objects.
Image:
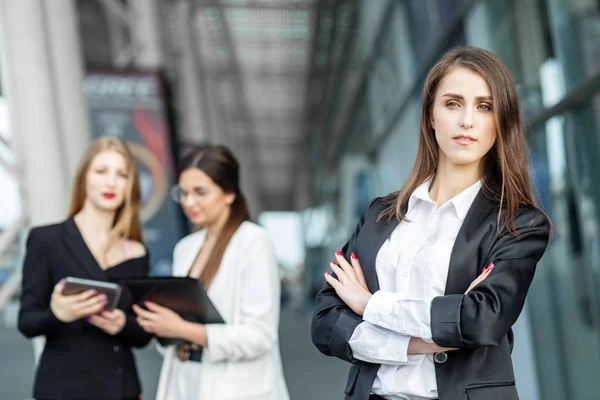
[
  {"x": 127, "y": 223},
  {"x": 504, "y": 172},
  {"x": 219, "y": 163}
]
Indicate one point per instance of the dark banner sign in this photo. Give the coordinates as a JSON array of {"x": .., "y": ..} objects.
[{"x": 132, "y": 106}]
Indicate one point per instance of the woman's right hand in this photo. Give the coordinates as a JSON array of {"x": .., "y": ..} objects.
[{"x": 76, "y": 306}]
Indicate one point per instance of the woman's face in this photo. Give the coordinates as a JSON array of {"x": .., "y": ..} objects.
[
  {"x": 463, "y": 118},
  {"x": 202, "y": 200},
  {"x": 106, "y": 180}
]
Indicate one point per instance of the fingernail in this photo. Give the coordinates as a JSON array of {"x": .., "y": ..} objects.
[
  {"x": 339, "y": 253},
  {"x": 333, "y": 263},
  {"x": 327, "y": 273},
  {"x": 353, "y": 256},
  {"x": 62, "y": 281},
  {"x": 487, "y": 267}
]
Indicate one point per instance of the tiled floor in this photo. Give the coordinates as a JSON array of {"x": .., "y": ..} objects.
[{"x": 309, "y": 375}]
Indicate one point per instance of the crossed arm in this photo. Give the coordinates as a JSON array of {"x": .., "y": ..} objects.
[
  {"x": 480, "y": 317},
  {"x": 350, "y": 285}
]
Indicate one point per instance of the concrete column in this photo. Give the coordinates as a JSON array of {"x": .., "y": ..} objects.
[
  {"x": 42, "y": 72},
  {"x": 190, "y": 103},
  {"x": 146, "y": 33},
  {"x": 27, "y": 72},
  {"x": 68, "y": 73}
]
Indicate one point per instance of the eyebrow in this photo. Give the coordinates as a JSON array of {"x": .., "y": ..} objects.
[{"x": 461, "y": 97}]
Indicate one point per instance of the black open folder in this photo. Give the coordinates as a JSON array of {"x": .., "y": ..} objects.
[{"x": 185, "y": 296}]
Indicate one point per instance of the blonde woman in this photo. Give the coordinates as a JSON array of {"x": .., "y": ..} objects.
[{"x": 88, "y": 350}]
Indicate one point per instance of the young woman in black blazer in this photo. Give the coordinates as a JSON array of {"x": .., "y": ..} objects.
[
  {"x": 445, "y": 262},
  {"x": 87, "y": 354}
]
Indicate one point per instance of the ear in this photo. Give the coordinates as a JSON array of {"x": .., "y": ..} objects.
[
  {"x": 432, "y": 122},
  {"x": 230, "y": 198}
]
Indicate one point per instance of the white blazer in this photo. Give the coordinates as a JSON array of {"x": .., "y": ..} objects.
[{"x": 242, "y": 358}]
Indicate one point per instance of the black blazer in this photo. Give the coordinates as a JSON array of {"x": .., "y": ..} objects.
[
  {"x": 79, "y": 360},
  {"x": 478, "y": 324}
]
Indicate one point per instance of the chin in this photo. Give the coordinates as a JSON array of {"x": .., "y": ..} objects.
[
  {"x": 108, "y": 205},
  {"x": 462, "y": 158},
  {"x": 464, "y": 161},
  {"x": 197, "y": 221}
]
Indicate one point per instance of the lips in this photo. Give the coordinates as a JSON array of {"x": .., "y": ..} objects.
[
  {"x": 109, "y": 196},
  {"x": 464, "y": 140},
  {"x": 192, "y": 214}
]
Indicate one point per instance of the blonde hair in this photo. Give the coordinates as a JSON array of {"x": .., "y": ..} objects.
[{"x": 127, "y": 223}]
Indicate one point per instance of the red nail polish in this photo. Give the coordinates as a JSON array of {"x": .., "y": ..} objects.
[
  {"x": 339, "y": 253},
  {"x": 327, "y": 273},
  {"x": 332, "y": 262},
  {"x": 490, "y": 265},
  {"x": 353, "y": 256}
]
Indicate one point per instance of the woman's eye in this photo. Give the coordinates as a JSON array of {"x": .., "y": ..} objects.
[
  {"x": 485, "y": 107},
  {"x": 100, "y": 171},
  {"x": 452, "y": 104}
]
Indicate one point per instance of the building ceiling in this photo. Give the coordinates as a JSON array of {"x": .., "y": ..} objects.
[
  {"x": 255, "y": 56},
  {"x": 255, "y": 62}
]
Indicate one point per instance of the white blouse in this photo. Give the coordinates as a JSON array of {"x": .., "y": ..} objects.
[{"x": 412, "y": 269}]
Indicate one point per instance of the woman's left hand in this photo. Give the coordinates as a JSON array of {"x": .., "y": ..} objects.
[
  {"x": 158, "y": 320},
  {"x": 350, "y": 284},
  {"x": 111, "y": 322}
]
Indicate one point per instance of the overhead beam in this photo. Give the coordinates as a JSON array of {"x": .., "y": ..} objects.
[{"x": 257, "y": 4}]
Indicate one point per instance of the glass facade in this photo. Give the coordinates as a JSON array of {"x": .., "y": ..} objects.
[{"x": 552, "y": 48}]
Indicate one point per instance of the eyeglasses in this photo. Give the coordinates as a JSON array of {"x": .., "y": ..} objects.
[{"x": 179, "y": 194}]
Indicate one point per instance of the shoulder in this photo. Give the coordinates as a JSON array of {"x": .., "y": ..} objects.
[
  {"x": 249, "y": 232},
  {"x": 137, "y": 249},
  {"x": 529, "y": 222},
  {"x": 376, "y": 207},
  {"x": 188, "y": 240},
  {"x": 532, "y": 217},
  {"x": 44, "y": 234}
]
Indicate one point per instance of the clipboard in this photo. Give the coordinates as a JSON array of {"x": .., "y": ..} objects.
[{"x": 185, "y": 296}]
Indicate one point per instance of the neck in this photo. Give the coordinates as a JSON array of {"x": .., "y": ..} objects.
[
  {"x": 90, "y": 217},
  {"x": 214, "y": 230},
  {"x": 451, "y": 179}
]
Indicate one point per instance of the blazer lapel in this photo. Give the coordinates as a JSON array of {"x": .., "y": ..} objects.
[
  {"x": 190, "y": 253},
  {"x": 81, "y": 253},
  {"x": 376, "y": 234},
  {"x": 463, "y": 264}
]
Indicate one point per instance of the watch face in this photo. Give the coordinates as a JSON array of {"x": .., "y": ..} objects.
[{"x": 183, "y": 352}]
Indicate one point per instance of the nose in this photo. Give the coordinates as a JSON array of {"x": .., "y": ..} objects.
[
  {"x": 187, "y": 200},
  {"x": 111, "y": 181},
  {"x": 466, "y": 121}
]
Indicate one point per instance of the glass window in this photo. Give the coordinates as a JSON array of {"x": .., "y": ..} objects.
[
  {"x": 564, "y": 298},
  {"x": 575, "y": 26}
]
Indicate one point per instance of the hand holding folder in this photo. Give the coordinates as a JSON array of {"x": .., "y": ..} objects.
[{"x": 185, "y": 296}]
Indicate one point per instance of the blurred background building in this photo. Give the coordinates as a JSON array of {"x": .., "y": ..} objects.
[{"x": 320, "y": 101}]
